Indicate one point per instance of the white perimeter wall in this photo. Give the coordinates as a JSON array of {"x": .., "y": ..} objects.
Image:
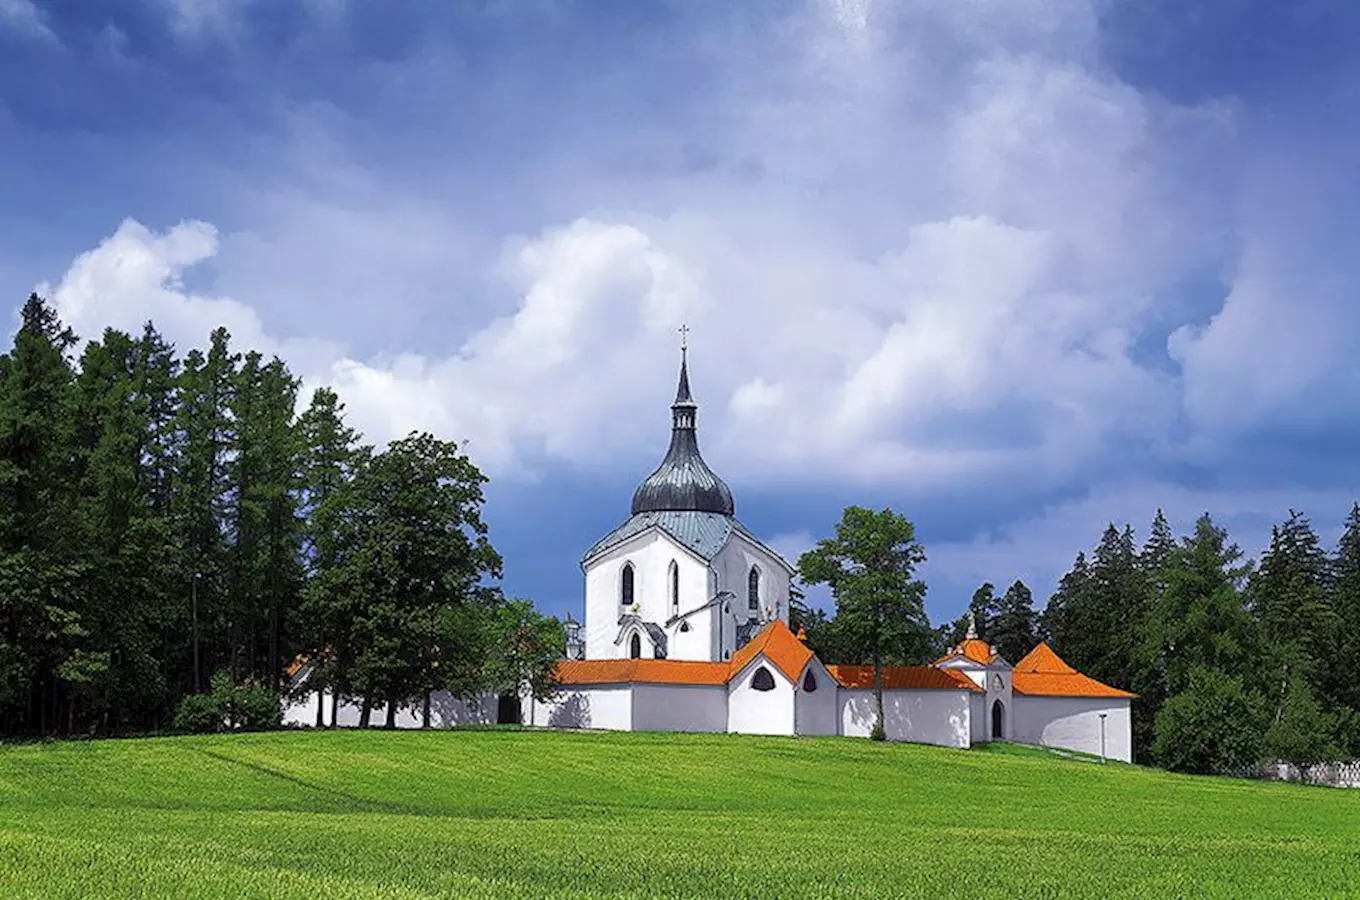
[
  {"x": 760, "y": 712},
  {"x": 924, "y": 716},
  {"x": 607, "y": 706},
  {"x": 679, "y": 707},
  {"x": 446, "y": 711},
  {"x": 1073, "y": 723},
  {"x": 815, "y": 713},
  {"x": 978, "y": 723}
]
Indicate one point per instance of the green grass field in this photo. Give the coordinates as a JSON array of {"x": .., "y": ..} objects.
[{"x": 528, "y": 814}]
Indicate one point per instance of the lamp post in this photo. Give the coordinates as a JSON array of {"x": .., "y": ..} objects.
[
  {"x": 1102, "y": 737},
  {"x": 193, "y": 602}
]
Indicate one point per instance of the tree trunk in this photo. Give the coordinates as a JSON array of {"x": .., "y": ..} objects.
[
  {"x": 321, "y": 709},
  {"x": 425, "y": 713},
  {"x": 391, "y": 722},
  {"x": 335, "y": 705},
  {"x": 365, "y": 711}
]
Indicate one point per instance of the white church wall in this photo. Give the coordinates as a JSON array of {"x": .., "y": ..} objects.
[
  {"x": 651, "y": 554},
  {"x": 446, "y": 711},
  {"x": 1002, "y": 693},
  {"x": 679, "y": 707},
  {"x": 977, "y": 718},
  {"x": 604, "y": 706},
  {"x": 922, "y": 716},
  {"x": 733, "y": 567},
  {"x": 750, "y": 711},
  {"x": 815, "y": 712},
  {"x": 1073, "y": 723}
]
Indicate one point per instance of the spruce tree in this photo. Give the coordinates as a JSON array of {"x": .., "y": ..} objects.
[{"x": 1014, "y": 631}]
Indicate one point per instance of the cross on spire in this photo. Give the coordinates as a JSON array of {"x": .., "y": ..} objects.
[{"x": 684, "y": 338}]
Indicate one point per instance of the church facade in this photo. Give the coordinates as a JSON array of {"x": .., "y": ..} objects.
[{"x": 686, "y": 629}]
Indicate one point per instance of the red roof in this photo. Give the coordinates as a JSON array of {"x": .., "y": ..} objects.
[
  {"x": 780, "y": 646},
  {"x": 976, "y": 649},
  {"x": 646, "y": 671},
  {"x": 1043, "y": 673},
  {"x": 899, "y": 677}
]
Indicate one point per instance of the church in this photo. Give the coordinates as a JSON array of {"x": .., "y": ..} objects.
[{"x": 686, "y": 629}]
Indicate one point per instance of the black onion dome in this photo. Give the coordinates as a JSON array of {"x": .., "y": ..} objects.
[{"x": 683, "y": 481}]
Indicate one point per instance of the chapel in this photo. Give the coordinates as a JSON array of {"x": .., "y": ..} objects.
[{"x": 686, "y": 629}]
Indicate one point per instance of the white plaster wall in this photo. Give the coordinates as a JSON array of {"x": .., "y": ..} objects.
[
  {"x": 977, "y": 718},
  {"x": 679, "y": 707},
  {"x": 606, "y": 706},
  {"x": 650, "y": 553},
  {"x": 1073, "y": 723},
  {"x": 815, "y": 713},
  {"x": 733, "y": 566},
  {"x": 1007, "y": 703},
  {"x": 923, "y": 716},
  {"x": 760, "y": 712},
  {"x": 446, "y": 711}
]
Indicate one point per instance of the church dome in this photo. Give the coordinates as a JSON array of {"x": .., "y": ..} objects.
[{"x": 683, "y": 481}]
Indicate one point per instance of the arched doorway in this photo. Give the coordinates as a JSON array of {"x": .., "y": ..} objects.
[
  {"x": 998, "y": 720},
  {"x": 635, "y": 647}
]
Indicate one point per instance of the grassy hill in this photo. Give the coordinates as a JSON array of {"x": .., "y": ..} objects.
[{"x": 508, "y": 814}]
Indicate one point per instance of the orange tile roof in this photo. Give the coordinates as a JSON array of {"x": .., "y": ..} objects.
[
  {"x": 646, "y": 671},
  {"x": 976, "y": 649},
  {"x": 899, "y": 677},
  {"x": 780, "y": 646},
  {"x": 1043, "y": 673}
]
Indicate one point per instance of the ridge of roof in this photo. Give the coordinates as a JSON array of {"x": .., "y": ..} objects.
[{"x": 974, "y": 649}]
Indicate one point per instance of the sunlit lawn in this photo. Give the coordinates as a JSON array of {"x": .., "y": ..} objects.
[{"x": 533, "y": 814}]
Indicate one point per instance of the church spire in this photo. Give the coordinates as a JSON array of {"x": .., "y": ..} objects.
[
  {"x": 972, "y": 626},
  {"x": 683, "y": 481}
]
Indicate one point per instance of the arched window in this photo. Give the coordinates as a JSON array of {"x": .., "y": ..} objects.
[
  {"x": 753, "y": 589},
  {"x": 998, "y": 720},
  {"x": 809, "y": 683},
  {"x": 684, "y": 626},
  {"x": 626, "y": 585},
  {"x": 675, "y": 589},
  {"x": 762, "y": 680},
  {"x": 635, "y": 646}
]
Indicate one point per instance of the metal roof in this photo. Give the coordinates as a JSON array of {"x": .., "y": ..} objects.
[{"x": 702, "y": 533}]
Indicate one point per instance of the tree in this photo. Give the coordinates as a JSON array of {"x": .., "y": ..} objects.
[
  {"x": 1340, "y": 686},
  {"x": 1212, "y": 727},
  {"x": 1014, "y": 629},
  {"x": 416, "y": 548},
  {"x": 870, "y": 566},
  {"x": 983, "y": 608},
  {"x": 1301, "y": 732},
  {"x": 523, "y": 650}
]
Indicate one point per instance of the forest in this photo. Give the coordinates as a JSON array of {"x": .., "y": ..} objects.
[{"x": 170, "y": 523}]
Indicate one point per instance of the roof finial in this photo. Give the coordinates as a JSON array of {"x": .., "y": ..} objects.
[
  {"x": 972, "y": 626},
  {"x": 684, "y": 338}
]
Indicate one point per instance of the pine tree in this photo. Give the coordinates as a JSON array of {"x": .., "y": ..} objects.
[
  {"x": 1342, "y": 689},
  {"x": 1289, "y": 595},
  {"x": 1014, "y": 631}
]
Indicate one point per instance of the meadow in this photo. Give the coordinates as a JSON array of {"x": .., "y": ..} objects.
[{"x": 508, "y": 813}]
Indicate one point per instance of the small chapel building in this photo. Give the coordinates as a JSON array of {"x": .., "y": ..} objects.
[{"x": 686, "y": 629}]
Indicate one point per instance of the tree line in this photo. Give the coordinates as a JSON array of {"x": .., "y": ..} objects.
[
  {"x": 1234, "y": 662},
  {"x": 168, "y": 518}
]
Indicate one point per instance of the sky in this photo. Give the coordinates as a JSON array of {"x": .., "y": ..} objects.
[{"x": 1015, "y": 268}]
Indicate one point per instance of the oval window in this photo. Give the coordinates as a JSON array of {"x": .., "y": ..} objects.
[
  {"x": 762, "y": 680},
  {"x": 809, "y": 683}
]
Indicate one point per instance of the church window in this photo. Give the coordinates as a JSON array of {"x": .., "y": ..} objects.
[
  {"x": 684, "y": 626},
  {"x": 635, "y": 647},
  {"x": 762, "y": 680},
  {"x": 675, "y": 589},
  {"x": 753, "y": 589},
  {"x": 626, "y": 585},
  {"x": 809, "y": 683}
]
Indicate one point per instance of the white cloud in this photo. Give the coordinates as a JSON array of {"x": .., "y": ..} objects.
[{"x": 24, "y": 18}]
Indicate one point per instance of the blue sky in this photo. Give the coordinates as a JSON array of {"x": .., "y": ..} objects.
[{"x": 1017, "y": 268}]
